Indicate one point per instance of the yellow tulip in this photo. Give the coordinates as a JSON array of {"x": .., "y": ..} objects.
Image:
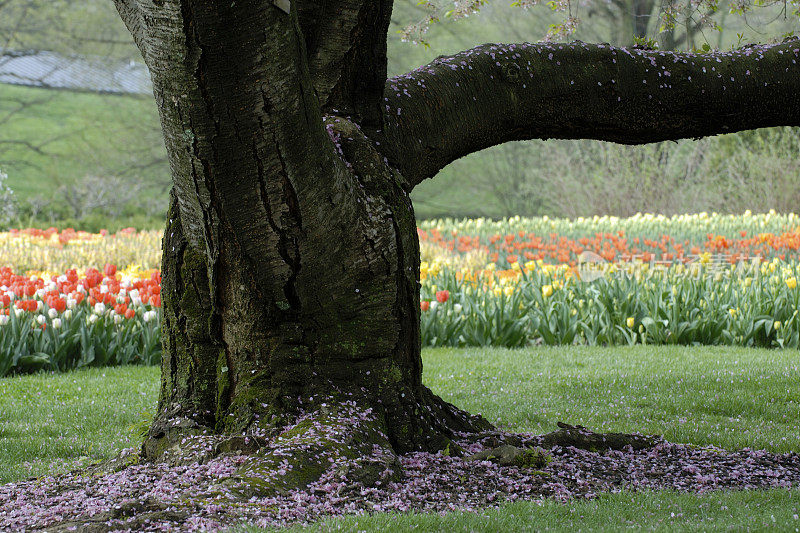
[
  {"x": 630, "y": 322},
  {"x": 547, "y": 291},
  {"x": 791, "y": 282}
]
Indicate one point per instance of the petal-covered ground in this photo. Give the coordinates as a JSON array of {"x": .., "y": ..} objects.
[{"x": 159, "y": 497}]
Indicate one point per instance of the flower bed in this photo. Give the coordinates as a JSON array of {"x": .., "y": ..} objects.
[
  {"x": 691, "y": 279},
  {"x": 539, "y": 303},
  {"x": 74, "y": 320}
]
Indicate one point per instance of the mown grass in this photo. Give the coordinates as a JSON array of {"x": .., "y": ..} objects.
[
  {"x": 724, "y": 396},
  {"x": 56, "y": 423},
  {"x": 729, "y": 397},
  {"x": 775, "y": 510}
]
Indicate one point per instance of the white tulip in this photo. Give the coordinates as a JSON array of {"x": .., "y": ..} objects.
[
  {"x": 52, "y": 313},
  {"x": 67, "y": 314},
  {"x": 56, "y": 324},
  {"x": 99, "y": 308},
  {"x": 41, "y": 319},
  {"x": 4, "y": 319}
]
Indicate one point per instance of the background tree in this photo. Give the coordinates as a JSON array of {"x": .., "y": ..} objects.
[{"x": 291, "y": 259}]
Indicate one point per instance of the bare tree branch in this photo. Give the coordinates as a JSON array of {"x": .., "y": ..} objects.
[{"x": 497, "y": 93}]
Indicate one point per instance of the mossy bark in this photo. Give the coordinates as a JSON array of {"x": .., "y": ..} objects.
[
  {"x": 250, "y": 366},
  {"x": 291, "y": 261}
]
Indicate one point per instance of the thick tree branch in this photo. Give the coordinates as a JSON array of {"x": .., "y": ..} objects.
[
  {"x": 346, "y": 48},
  {"x": 497, "y": 93}
]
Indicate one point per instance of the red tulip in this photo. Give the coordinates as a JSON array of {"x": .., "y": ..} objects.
[
  {"x": 442, "y": 296},
  {"x": 424, "y": 305},
  {"x": 59, "y": 304}
]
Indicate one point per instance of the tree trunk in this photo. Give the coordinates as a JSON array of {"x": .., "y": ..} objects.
[{"x": 291, "y": 262}]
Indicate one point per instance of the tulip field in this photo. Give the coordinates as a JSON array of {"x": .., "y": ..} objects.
[
  {"x": 691, "y": 279},
  {"x": 72, "y": 299},
  {"x": 58, "y": 311}
]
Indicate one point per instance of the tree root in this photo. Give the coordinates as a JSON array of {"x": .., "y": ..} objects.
[
  {"x": 351, "y": 440},
  {"x": 585, "y": 439}
]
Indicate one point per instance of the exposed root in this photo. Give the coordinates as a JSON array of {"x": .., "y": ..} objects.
[
  {"x": 342, "y": 441},
  {"x": 585, "y": 439},
  {"x": 421, "y": 421}
]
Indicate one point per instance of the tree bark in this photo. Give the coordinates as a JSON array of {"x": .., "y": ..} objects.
[
  {"x": 291, "y": 264},
  {"x": 291, "y": 261}
]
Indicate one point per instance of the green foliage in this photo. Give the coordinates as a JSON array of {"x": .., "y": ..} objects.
[
  {"x": 753, "y": 170},
  {"x": 7, "y": 202},
  {"x": 79, "y": 135},
  {"x": 645, "y": 42}
]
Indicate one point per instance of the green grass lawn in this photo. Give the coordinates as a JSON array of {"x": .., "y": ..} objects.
[
  {"x": 775, "y": 510},
  {"x": 56, "y": 423},
  {"x": 729, "y": 397}
]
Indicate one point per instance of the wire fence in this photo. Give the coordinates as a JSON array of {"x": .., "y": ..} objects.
[{"x": 40, "y": 68}]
